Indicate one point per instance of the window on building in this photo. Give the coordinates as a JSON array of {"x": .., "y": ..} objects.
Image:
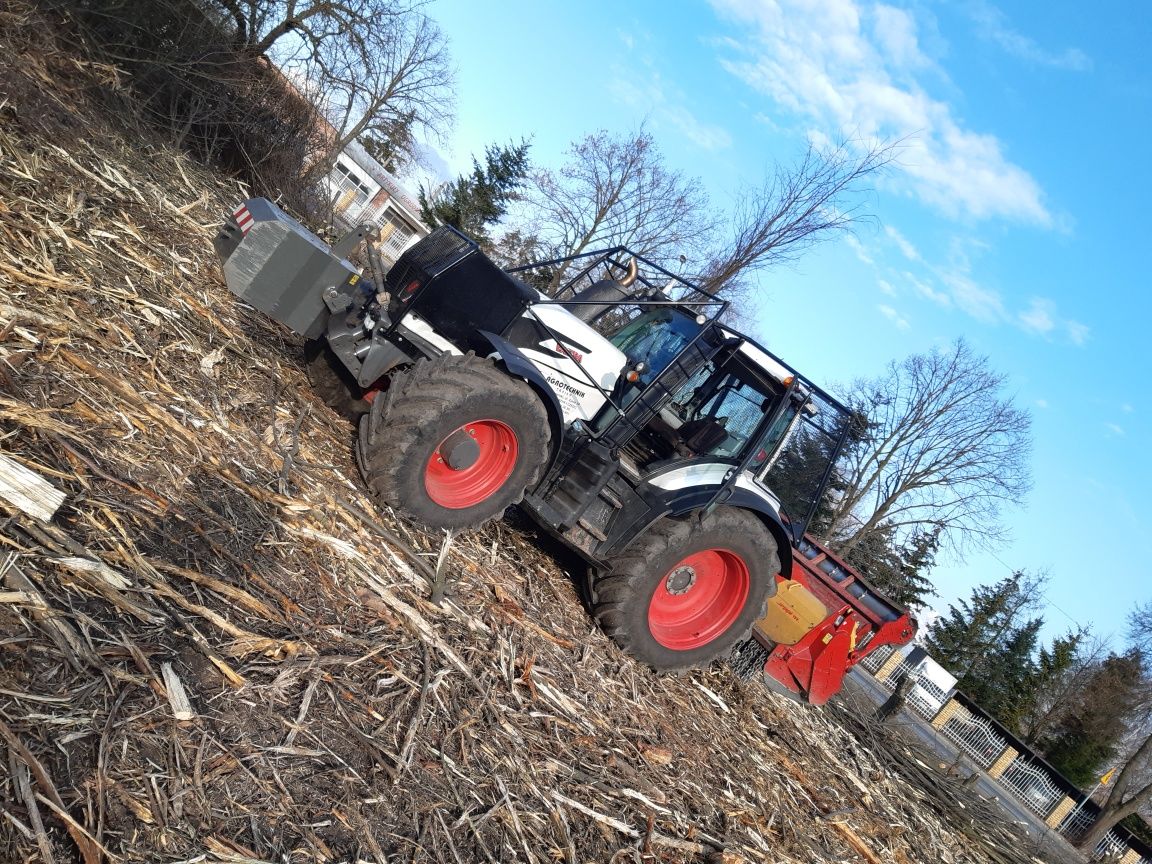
[
  {"x": 347, "y": 182},
  {"x": 398, "y": 234}
]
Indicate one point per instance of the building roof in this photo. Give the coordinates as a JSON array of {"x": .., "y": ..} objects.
[{"x": 356, "y": 152}]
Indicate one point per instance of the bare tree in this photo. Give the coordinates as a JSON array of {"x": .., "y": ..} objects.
[
  {"x": 383, "y": 86},
  {"x": 797, "y": 207},
  {"x": 1140, "y": 628},
  {"x": 1131, "y": 791},
  {"x": 276, "y": 88},
  {"x": 257, "y": 25},
  {"x": 943, "y": 446},
  {"x": 616, "y": 190}
]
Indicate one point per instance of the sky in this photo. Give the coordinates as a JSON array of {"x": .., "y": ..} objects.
[{"x": 1014, "y": 216}]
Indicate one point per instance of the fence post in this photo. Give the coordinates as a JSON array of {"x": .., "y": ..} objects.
[
  {"x": 1062, "y": 809},
  {"x": 1003, "y": 761},
  {"x": 889, "y": 666},
  {"x": 947, "y": 712}
]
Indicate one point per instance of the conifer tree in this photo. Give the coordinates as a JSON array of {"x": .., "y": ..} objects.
[{"x": 476, "y": 201}]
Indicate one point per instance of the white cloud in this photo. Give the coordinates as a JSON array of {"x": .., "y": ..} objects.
[
  {"x": 1041, "y": 403},
  {"x": 895, "y": 32},
  {"x": 903, "y": 244},
  {"x": 648, "y": 95},
  {"x": 703, "y": 135},
  {"x": 1115, "y": 430},
  {"x": 886, "y": 287},
  {"x": 926, "y": 291},
  {"x": 1042, "y": 318},
  {"x": 983, "y": 304},
  {"x": 852, "y": 69},
  {"x": 895, "y": 317},
  {"x": 1126, "y": 408},
  {"x": 992, "y": 24},
  {"x": 1077, "y": 332},
  {"x": 854, "y": 243},
  {"x": 1037, "y": 318}
]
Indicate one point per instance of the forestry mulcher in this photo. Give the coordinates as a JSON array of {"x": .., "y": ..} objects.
[{"x": 601, "y": 393}]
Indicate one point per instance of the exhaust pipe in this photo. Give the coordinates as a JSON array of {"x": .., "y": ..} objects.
[{"x": 607, "y": 293}]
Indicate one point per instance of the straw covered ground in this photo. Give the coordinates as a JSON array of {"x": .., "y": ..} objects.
[{"x": 217, "y": 651}]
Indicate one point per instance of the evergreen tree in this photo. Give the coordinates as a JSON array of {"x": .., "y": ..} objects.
[
  {"x": 1062, "y": 671},
  {"x": 1005, "y": 682},
  {"x": 799, "y": 469},
  {"x": 989, "y": 643},
  {"x": 898, "y": 570},
  {"x": 964, "y": 638},
  {"x": 1087, "y": 739},
  {"x": 394, "y": 143},
  {"x": 474, "y": 202}
]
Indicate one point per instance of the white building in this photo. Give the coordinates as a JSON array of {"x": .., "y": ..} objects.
[{"x": 363, "y": 192}]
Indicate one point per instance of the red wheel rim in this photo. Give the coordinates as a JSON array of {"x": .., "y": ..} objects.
[
  {"x": 698, "y": 599},
  {"x": 456, "y": 489}
]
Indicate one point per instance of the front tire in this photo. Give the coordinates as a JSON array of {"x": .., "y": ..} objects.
[
  {"x": 686, "y": 592},
  {"x": 332, "y": 382},
  {"x": 454, "y": 442}
]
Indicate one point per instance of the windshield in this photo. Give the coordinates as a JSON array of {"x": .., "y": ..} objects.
[
  {"x": 655, "y": 337},
  {"x": 717, "y": 410}
]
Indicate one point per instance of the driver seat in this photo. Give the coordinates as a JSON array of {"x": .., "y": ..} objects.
[{"x": 702, "y": 435}]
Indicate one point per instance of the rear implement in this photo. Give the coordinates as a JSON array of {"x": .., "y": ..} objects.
[{"x": 821, "y": 623}]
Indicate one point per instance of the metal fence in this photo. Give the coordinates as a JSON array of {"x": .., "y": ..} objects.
[
  {"x": 926, "y": 697},
  {"x": 975, "y": 736},
  {"x": 1032, "y": 786},
  {"x": 1111, "y": 848},
  {"x": 1028, "y": 781},
  {"x": 876, "y": 659}
]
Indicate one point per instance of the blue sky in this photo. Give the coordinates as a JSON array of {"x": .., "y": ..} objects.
[{"x": 1015, "y": 216}]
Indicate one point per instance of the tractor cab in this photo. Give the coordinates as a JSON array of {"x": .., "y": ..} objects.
[
  {"x": 699, "y": 414},
  {"x": 715, "y": 411}
]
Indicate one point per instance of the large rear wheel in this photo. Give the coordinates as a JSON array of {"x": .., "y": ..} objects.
[
  {"x": 454, "y": 442},
  {"x": 686, "y": 592}
]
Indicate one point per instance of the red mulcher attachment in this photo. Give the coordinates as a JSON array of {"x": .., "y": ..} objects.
[{"x": 822, "y": 622}]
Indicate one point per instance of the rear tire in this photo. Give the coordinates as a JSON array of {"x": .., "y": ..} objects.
[
  {"x": 685, "y": 592},
  {"x": 332, "y": 382},
  {"x": 454, "y": 442}
]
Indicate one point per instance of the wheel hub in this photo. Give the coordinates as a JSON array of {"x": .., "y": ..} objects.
[
  {"x": 471, "y": 464},
  {"x": 699, "y": 599},
  {"x": 460, "y": 450},
  {"x": 680, "y": 581}
]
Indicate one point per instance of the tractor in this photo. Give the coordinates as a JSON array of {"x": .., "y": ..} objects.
[{"x": 602, "y": 393}]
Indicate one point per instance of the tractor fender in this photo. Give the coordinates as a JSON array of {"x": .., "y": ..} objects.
[
  {"x": 515, "y": 363},
  {"x": 680, "y": 503},
  {"x": 763, "y": 511}
]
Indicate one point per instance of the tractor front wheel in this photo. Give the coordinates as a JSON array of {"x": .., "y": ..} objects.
[
  {"x": 688, "y": 590},
  {"x": 332, "y": 382},
  {"x": 454, "y": 442}
]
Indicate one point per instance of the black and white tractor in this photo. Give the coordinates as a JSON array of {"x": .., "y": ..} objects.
[{"x": 681, "y": 459}]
